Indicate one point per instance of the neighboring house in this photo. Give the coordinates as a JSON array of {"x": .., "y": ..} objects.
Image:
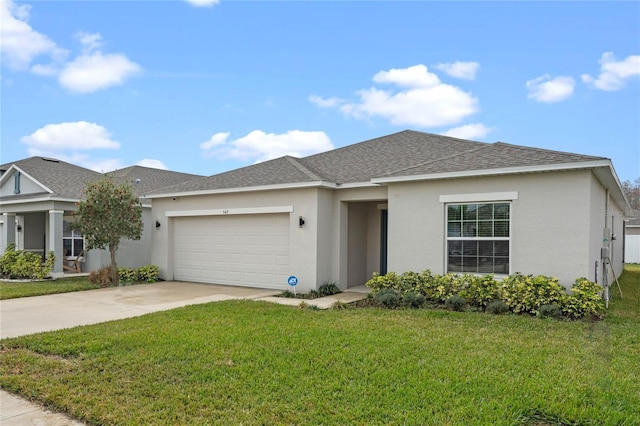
[
  {"x": 632, "y": 241},
  {"x": 407, "y": 201},
  {"x": 38, "y": 196}
]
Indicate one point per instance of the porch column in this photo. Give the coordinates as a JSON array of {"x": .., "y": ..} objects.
[
  {"x": 8, "y": 234},
  {"x": 54, "y": 238}
]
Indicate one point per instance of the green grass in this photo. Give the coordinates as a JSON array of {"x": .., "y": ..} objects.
[
  {"x": 244, "y": 362},
  {"x": 11, "y": 290}
]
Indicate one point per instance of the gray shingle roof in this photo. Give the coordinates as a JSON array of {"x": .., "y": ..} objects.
[
  {"x": 69, "y": 181},
  {"x": 407, "y": 153},
  {"x": 279, "y": 171},
  {"x": 493, "y": 156},
  {"x": 147, "y": 179},
  {"x": 64, "y": 179}
]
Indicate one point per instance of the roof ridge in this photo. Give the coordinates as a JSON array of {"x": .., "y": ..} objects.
[
  {"x": 304, "y": 169},
  {"x": 447, "y": 157}
]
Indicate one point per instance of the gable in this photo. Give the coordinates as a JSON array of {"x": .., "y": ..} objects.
[{"x": 16, "y": 182}]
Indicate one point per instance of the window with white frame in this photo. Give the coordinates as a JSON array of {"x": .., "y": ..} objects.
[
  {"x": 478, "y": 237},
  {"x": 72, "y": 240}
]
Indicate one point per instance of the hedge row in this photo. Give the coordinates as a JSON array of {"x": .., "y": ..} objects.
[{"x": 522, "y": 294}]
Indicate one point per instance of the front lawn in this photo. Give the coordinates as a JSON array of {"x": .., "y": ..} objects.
[
  {"x": 11, "y": 289},
  {"x": 245, "y": 362}
]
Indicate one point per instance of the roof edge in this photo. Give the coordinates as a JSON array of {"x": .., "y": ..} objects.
[{"x": 315, "y": 184}]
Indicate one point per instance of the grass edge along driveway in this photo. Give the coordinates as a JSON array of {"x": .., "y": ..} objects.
[{"x": 258, "y": 363}]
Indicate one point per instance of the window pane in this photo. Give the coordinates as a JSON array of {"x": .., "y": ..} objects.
[
  {"x": 470, "y": 248},
  {"x": 66, "y": 246},
  {"x": 501, "y": 248},
  {"x": 454, "y": 229},
  {"x": 470, "y": 212},
  {"x": 501, "y": 228},
  {"x": 66, "y": 228},
  {"x": 470, "y": 264},
  {"x": 485, "y": 212},
  {"x": 454, "y": 213},
  {"x": 78, "y": 245},
  {"x": 501, "y": 211},
  {"x": 455, "y": 248},
  {"x": 485, "y": 229},
  {"x": 469, "y": 229},
  {"x": 485, "y": 248}
]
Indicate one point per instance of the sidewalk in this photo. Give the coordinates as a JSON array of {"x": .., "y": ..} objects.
[{"x": 24, "y": 316}]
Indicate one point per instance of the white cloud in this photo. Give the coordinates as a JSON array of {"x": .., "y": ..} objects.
[
  {"x": 203, "y": 3},
  {"x": 261, "y": 146},
  {"x": 90, "y": 41},
  {"x": 613, "y": 73},
  {"x": 92, "y": 72},
  {"x": 415, "y": 76},
  {"x": 20, "y": 44},
  {"x": 424, "y": 100},
  {"x": 547, "y": 89},
  {"x": 325, "y": 102},
  {"x": 469, "y": 131},
  {"x": 69, "y": 136},
  {"x": 463, "y": 70},
  {"x": 216, "y": 140},
  {"x": 154, "y": 164}
]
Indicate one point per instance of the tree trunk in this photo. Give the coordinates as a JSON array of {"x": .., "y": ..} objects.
[{"x": 114, "y": 267}]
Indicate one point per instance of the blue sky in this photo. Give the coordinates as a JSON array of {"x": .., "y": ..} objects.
[{"x": 203, "y": 87}]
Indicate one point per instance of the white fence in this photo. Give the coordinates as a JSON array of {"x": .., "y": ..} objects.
[{"x": 632, "y": 249}]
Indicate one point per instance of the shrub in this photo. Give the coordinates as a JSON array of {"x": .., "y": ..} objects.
[
  {"x": 456, "y": 303},
  {"x": 339, "y": 305},
  {"x": 128, "y": 275},
  {"x": 288, "y": 294},
  {"x": 479, "y": 291},
  {"x": 149, "y": 274},
  {"x": 584, "y": 300},
  {"x": 497, "y": 307},
  {"x": 378, "y": 282},
  {"x": 526, "y": 293},
  {"x": 413, "y": 299},
  {"x": 101, "y": 277},
  {"x": 388, "y": 297},
  {"x": 23, "y": 264},
  {"x": 328, "y": 288},
  {"x": 550, "y": 311}
]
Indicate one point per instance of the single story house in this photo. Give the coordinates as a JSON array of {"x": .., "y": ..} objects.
[
  {"x": 38, "y": 196},
  {"x": 632, "y": 241},
  {"x": 406, "y": 201}
]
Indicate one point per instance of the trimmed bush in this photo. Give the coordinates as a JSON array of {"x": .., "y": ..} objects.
[
  {"x": 149, "y": 274},
  {"x": 456, "y": 303},
  {"x": 584, "y": 301},
  {"x": 413, "y": 299},
  {"x": 497, "y": 307},
  {"x": 388, "y": 297},
  {"x": 378, "y": 282},
  {"x": 128, "y": 275},
  {"x": 526, "y": 293},
  {"x": 480, "y": 291},
  {"x": 550, "y": 311}
]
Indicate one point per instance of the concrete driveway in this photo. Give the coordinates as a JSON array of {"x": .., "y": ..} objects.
[{"x": 29, "y": 315}]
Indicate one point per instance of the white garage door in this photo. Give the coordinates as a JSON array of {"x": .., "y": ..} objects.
[{"x": 243, "y": 250}]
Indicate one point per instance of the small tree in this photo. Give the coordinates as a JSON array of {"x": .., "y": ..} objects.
[
  {"x": 632, "y": 192},
  {"x": 108, "y": 213}
]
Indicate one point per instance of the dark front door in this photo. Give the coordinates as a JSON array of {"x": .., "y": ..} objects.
[{"x": 384, "y": 215}]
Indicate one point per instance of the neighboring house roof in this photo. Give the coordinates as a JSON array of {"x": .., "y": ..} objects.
[
  {"x": 147, "y": 179},
  {"x": 404, "y": 154},
  {"x": 62, "y": 180}
]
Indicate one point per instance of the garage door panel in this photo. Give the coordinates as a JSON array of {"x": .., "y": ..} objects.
[{"x": 248, "y": 250}]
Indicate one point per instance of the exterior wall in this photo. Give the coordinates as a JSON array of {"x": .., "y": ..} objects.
[
  {"x": 136, "y": 253},
  {"x": 319, "y": 251},
  {"x": 303, "y": 240},
  {"x": 548, "y": 222}
]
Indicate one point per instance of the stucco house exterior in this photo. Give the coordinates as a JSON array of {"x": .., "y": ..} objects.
[
  {"x": 406, "y": 201},
  {"x": 38, "y": 196}
]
